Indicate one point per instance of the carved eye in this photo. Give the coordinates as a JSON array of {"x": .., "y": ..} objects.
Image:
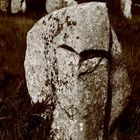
[{"x": 89, "y": 54}]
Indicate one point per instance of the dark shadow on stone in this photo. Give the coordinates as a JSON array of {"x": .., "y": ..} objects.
[{"x": 109, "y": 95}]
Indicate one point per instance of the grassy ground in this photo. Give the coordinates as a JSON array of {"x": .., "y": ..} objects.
[{"x": 18, "y": 119}]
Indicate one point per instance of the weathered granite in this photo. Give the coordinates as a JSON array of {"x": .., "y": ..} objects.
[{"x": 74, "y": 55}]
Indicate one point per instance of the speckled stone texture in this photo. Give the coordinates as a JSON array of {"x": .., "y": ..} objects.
[{"x": 74, "y": 55}]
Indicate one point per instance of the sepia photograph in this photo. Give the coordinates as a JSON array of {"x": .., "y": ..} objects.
[{"x": 69, "y": 70}]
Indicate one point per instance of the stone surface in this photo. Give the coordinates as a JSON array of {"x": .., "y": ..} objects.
[
  {"x": 126, "y": 8},
  {"x": 52, "y": 5},
  {"x": 17, "y": 5},
  {"x": 23, "y": 6},
  {"x": 66, "y": 30},
  {"x": 4, "y": 4},
  {"x": 73, "y": 55}
]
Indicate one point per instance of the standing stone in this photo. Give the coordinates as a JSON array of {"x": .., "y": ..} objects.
[
  {"x": 70, "y": 55},
  {"x": 18, "y": 6},
  {"x": 52, "y": 5},
  {"x": 23, "y": 6},
  {"x": 4, "y": 4},
  {"x": 126, "y": 8}
]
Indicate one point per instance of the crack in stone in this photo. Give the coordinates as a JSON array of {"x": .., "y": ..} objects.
[{"x": 109, "y": 94}]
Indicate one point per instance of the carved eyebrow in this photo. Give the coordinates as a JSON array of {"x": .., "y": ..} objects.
[
  {"x": 88, "y": 54},
  {"x": 68, "y": 48}
]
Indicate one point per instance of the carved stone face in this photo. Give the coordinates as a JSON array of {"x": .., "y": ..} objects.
[{"x": 68, "y": 57}]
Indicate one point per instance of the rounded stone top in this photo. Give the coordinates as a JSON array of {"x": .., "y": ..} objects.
[{"x": 82, "y": 27}]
